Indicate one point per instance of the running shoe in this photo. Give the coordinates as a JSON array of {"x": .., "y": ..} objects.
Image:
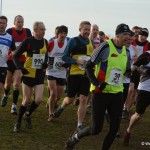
[
  {"x": 4, "y": 101},
  {"x": 71, "y": 143},
  {"x": 14, "y": 109},
  {"x": 58, "y": 111},
  {"x": 17, "y": 127},
  {"x": 27, "y": 121}
]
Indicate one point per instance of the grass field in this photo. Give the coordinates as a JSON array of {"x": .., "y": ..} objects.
[{"x": 53, "y": 135}]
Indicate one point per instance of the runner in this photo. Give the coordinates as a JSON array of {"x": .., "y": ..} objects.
[
  {"x": 142, "y": 45},
  {"x": 33, "y": 72},
  {"x": 77, "y": 53},
  {"x": 143, "y": 96},
  {"x": 6, "y": 43},
  {"x": 19, "y": 34},
  {"x": 133, "y": 57},
  {"x": 56, "y": 71},
  {"x": 108, "y": 86}
]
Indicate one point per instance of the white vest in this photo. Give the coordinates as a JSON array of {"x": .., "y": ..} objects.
[
  {"x": 132, "y": 55},
  {"x": 55, "y": 62},
  {"x": 5, "y": 44}
]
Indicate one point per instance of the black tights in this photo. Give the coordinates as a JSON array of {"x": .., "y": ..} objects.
[{"x": 101, "y": 102}]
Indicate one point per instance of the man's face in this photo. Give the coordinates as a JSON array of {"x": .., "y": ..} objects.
[
  {"x": 94, "y": 31},
  {"x": 62, "y": 36},
  {"x": 130, "y": 41},
  {"x": 3, "y": 25},
  {"x": 142, "y": 38},
  {"x": 19, "y": 22},
  {"x": 123, "y": 39},
  {"x": 85, "y": 31},
  {"x": 40, "y": 31}
]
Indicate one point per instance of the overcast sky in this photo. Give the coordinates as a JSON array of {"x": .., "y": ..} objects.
[{"x": 107, "y": 14}]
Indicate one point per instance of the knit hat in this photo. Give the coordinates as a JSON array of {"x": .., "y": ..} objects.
[
  {"x": 144, "y": 31},
  {"x": 122, "y": 28}
]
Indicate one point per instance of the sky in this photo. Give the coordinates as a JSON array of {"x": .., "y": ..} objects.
[{"x": 107, "y": 14}]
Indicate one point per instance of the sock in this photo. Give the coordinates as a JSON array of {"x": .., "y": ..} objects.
[
  {"x": 32, "y": 108},
  {"x": 7, "y": 92},
  {"x": 76, "y": 136},
  {"x": 79, "y": 124},
  {"x": 15, "y": 96},
  {"x": 22, "y": 110}
]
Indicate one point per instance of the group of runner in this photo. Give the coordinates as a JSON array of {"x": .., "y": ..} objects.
[{"x": 114, "y": 73}]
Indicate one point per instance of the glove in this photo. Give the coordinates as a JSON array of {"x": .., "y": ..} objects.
[
  {"x": 44, "y": 65},
  {"x": 66, "y": 65},
  {"x": 102, "y": 85},
  {"x": 24, "y": 71},
  {"x": 143, "y": 59}
]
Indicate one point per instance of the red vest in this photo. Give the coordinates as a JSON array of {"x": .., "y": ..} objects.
[
  {"x": 18, "y": 38},
  {"x": 145, "y": 47}
]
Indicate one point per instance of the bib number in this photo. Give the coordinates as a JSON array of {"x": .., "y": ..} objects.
[
  {"x": 37, "y": 61},
  {"x": 86, "y": 58},
  {"x": 58, "y": 63},
  {"x": 115, "y": 77}
]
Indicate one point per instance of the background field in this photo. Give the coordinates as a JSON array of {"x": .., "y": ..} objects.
[{"x": 53, "y": 135}]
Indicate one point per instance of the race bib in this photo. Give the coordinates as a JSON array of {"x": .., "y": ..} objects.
[
  {"x": 86, "y": 58},
  {"x": 38, "y": 60},
  {"x": 3, "y": 55},
  {"x": 115, "y": 78},
  {"x": 58, "y": 62},
  {"x": 17, "y": 44}
]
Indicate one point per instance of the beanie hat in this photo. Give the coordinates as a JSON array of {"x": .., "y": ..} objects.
[
  {"x": 144, "y": 31},
  {"x": 122, "y": 28}
]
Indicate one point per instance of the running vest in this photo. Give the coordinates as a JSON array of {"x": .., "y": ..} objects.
[
  {"x": 132, "y": 55},
  {"x": 5, "y": 44},
  {"x": 35, "y": 61},
  {"x": 18, "y": 38},
  {"x": 80, "y": 52},
  {"x": 115, "y": 68},
  {"x": 55, "y": 61},
  {"x": 141, "y": 49},
  {"x": 96, "y": 42}
]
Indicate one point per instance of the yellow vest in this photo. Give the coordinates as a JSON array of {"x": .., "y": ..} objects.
[
  {"x": 116, "y": 67},
  {"x": 76, "y": 69}
]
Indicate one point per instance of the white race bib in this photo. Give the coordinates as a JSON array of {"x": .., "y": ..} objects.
[
  {"x": 3, "y": 55},
  {"x": 38, "y": 60},
  {"x": 115, "y": 78},
  {"x": 86, "y": 58},
  {"x": 17, "y": 43},
  {"x": 58, "y": 62}
]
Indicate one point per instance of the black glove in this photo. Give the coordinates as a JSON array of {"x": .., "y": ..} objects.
[
  {"x": 44, "y": 65},
  {"x": 24, "y": 71},
  {"x": 66, "y": 65},
  {"x": 143, "y": 59},
  {"x": 102, "y": 85}
]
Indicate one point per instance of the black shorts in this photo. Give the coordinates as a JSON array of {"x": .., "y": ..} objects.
[
  {"x": 31, "y": 82},
  {"x": 3, "y": 73},
  {"x": 143, "y": 100},
  {"x": 135, "y": 78},
  {"x": 77, "y": 84},
  {"x": 59, "y": 81},
  {"x": 11, "y": 66}
]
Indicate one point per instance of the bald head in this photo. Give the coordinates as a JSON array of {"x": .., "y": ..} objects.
[{"x": 94, "y": 31}]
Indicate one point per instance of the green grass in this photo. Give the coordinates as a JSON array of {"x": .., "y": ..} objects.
[{"x": 53, "y": 135}]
